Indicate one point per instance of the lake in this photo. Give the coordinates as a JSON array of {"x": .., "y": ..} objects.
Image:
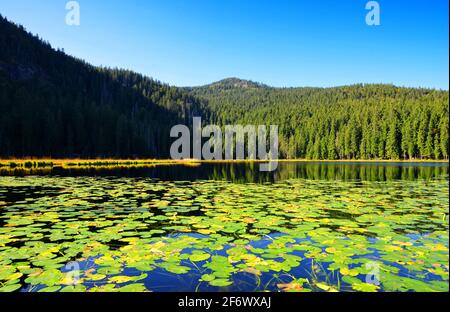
[{"x": 226, "y": 227}]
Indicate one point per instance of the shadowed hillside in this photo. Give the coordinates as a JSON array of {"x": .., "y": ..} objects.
[{"x": 55, "y": 105}]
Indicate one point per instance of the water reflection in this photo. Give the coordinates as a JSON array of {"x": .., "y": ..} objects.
[{"x": 249, "y": 173}]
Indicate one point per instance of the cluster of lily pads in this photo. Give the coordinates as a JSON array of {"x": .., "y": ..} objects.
[{"x": 141, "y": 234}]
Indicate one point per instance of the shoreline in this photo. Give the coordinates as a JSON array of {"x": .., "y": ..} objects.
[{"x": 108, "y": 162}]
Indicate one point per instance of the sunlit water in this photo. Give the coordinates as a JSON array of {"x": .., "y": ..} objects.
[{"x": 305, "y": 227}]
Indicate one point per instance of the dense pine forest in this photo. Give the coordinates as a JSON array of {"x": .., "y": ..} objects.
[
  {"x": 353, "y": 122},
  {"x": 54, "y": 105}
]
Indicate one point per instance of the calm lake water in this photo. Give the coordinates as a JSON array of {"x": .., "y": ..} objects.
[{"x": 305, "y": 227}]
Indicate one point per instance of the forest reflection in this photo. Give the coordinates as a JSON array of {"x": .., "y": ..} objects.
[{"x": 249, "y": 173}]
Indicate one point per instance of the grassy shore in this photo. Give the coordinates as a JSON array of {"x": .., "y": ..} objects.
[
  {"x": 77, "y": 163},
  {"x": 84, "y": 163}
]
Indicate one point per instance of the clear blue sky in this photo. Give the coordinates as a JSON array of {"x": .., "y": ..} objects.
[{"x": 279, "y": 42}]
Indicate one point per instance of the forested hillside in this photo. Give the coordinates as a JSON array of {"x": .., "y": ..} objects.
[
  {"x": 353, "y": 122},
  {"x": 54, "y": 105}
]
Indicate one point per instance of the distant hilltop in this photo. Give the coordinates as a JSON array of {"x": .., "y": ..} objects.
[{"x": 234, "y": 82}]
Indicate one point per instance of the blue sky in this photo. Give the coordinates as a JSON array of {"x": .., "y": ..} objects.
[{"x": 280, "y": 42}]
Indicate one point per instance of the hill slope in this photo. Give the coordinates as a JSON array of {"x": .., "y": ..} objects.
[{"x": 55, "y": 105}]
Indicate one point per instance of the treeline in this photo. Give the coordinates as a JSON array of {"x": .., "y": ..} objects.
[
  {"x": 354, "y": 122},
  {"x": 53, "y": 105}
]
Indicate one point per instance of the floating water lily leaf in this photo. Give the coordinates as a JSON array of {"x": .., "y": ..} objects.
[
  {"x": 74, "y": 288},
  {"x": 50, "y": 289},
  {"x": 220, "y": 282},
  {"x": 350, "y": 272},
  {"x": 365, "y": 287},
  {"x": 199, "y": 257},
  {"x": 120, "y": 279},
  {"x": 138, "y": 287},
  {"x": 207, "y": 277},
  {"x": 294, "y": 286},
  {"x": 96, "y": 277},
  {"x": 48, "y": 278},
  {"x": 326, "y": 287},
  {"x": 10, "y": 288}
]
